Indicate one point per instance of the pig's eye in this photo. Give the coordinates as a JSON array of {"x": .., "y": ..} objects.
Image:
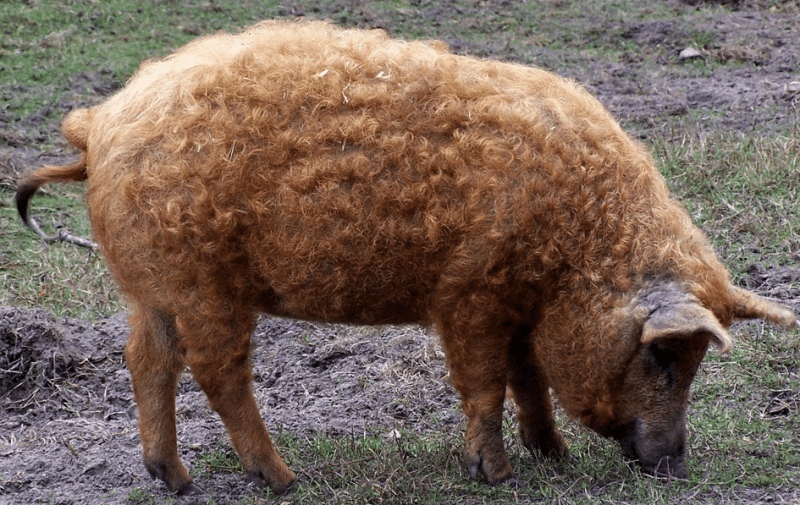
[{"x": 661, "y": 359}]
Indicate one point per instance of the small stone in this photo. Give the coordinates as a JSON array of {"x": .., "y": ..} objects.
[{"x": 689, "y": 53}]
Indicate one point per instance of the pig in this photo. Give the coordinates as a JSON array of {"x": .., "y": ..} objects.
[{"x": 306, "y": 171}]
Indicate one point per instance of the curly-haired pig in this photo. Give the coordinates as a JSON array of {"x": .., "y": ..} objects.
[{"x": 302, "y": 170}]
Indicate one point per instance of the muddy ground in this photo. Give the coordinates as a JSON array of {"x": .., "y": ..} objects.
[
  {"x": 67, "y": 415},
  {"x": 68, "y": 422}
]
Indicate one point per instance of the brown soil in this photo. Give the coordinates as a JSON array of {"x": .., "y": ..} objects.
[
  {"x": 67, "y": 416},
  {"x": 68, "y": 423}
]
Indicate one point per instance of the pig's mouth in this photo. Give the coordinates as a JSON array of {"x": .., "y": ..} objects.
[{"x": 658, "y": 454}]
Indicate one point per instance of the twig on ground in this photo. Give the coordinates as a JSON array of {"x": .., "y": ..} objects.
[{"x": 62, "y": 236}]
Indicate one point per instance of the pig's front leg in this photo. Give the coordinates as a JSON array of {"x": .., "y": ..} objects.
[
  {"x": 477, "y": 353},
  {"x": 537, "y": 425}
]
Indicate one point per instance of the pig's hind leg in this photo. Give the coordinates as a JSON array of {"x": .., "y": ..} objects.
[
  {"x": 155, "y": 362},
  {"x": 220, "y": 362}
]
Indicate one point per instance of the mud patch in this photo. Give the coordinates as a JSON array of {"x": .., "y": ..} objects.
[
  {"x": 781, "y": 283},
  {"x": 68, "y": 418}
]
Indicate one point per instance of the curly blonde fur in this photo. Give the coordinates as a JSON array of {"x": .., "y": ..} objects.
[{"x": 307, "y": 171}]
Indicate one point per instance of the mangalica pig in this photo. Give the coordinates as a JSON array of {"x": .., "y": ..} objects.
[{"x": 306, "y": 171}]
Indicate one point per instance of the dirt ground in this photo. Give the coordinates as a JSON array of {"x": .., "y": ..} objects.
[
  {"x": 67, "y": 416},
  {"x": 68, "y": 422}
]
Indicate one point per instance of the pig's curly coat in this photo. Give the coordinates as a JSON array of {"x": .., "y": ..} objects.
[
  {"x": 312, "y": 172},
  {"x": 231, "y": 153}
]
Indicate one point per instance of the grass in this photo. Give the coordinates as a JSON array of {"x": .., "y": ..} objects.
[
  {"x": 756, "y": 446},
  {"x": 71, "y": 281},
  {"x": 140, "y": 496},
  {"x": 742, "y": 190},
  {"x": 397, "y": 468},
  {"x": 47, "y": 44},
  {"x": 731, "y": 454}
]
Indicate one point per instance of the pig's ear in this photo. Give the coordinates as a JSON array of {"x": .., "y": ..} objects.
[{"x": 684, "y": 319}]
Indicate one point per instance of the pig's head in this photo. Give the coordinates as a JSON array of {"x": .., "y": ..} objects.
[{"x": 663, "y": 337}]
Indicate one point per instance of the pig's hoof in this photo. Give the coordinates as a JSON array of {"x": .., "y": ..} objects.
[
  {"x": 276, "y": 487},
  {"x": 511, "y": 481},
  {"x": 177, "y": 479},
  {"x": 189, "y": 489},
  {"x": 493, "y": 474},
  {"x": 549, "y": 443}
]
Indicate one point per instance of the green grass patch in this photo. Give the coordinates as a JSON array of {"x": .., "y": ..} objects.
[
  {"x": 56, "y": 55},
  {"x": 740, "y": 439},
  {"x": 140, "y": 496},
  {"x": 743, "y": 192},
  {"x": 48, "y": 42},
  {"x": 742, "y": 422},
  {"x": 69, "y": 280}
]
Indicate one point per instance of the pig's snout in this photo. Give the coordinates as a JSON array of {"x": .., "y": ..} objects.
[{"x": 659, "y": 452}]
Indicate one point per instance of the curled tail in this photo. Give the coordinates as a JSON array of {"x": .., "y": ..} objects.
[{"x": 76, "y": 129}]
